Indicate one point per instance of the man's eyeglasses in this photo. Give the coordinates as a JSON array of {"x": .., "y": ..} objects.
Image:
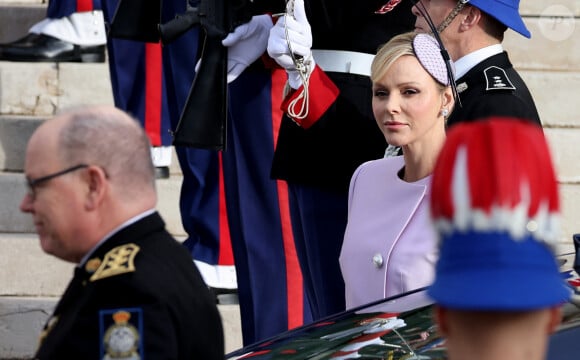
[{"x": 33, "y": 183}]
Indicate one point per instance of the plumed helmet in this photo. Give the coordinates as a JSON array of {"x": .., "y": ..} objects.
[{"x": 495, "y": 206}]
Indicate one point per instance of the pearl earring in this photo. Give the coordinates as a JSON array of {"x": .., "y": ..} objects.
[{"x": 444, "y": 112}]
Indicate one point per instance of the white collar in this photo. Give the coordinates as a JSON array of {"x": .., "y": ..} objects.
[{"x": 467, "y": 62}]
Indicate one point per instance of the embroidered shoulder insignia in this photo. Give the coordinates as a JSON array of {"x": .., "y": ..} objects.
[
  {"x": 497, "y": 79},
  {"x": 119, "y": 260}
]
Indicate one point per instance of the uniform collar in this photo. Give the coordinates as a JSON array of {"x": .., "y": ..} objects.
[
  {"x": 467, "y": 62},
  {"x": 109, "y": 235}
]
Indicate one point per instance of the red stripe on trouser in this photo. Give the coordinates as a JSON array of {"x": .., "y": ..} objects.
[
  {"x": 226, "y": 256},
  {"x": 293, "y": 273},
  {"x": 153, "y": 92},
  {"x": 84, "y": 5}
]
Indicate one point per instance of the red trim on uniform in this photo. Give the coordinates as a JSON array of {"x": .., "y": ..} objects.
[
  {"x": 153, "y": 92},
  {"x": 84, "y": 5},
  {"x": 226, "y": 256},
  {"x": 322, "y": 93},
  {"x": 295, "y": 288}
]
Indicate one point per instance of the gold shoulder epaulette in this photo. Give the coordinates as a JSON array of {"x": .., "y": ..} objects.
[{"x": 119, "y": 260}]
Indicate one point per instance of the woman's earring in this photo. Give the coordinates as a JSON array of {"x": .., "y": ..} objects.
[{"x": 444, "y": 112}]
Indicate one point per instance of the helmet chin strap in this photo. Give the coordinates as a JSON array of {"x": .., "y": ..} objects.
[{"x": 452, "y": 15}]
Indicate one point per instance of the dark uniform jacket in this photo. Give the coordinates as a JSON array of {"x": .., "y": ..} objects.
[
  {"x": 138, "y": 296},
  {"x": 493, "y": 88},
  {"x": 346, "y": 135}
]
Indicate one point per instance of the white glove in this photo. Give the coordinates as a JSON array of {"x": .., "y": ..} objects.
[
  {"x": 246, "y": 44},
  {"x": 300, "y": 38}
]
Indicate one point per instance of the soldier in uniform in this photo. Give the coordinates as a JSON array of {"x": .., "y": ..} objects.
[
  {"x": 135, "y": 292},
  {"x": 473, "y": 32},
  {"x": 319, "y": 149},
  {"x": 151, "y": 82},
  {"x": 74, "y": 30}
]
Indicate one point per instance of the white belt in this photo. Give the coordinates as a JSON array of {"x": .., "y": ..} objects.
[{"x": 349, "y": 62}]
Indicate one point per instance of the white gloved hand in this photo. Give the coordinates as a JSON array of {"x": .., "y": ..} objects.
[
  {"x": 246, "y": 44},
  {"x": 300, "y": 38}
]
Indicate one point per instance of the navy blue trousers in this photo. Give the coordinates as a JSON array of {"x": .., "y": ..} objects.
[{"x": 272, "y": 296}]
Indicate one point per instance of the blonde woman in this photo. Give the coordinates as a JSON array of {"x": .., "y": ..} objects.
[{"x": 389, "y": 244}]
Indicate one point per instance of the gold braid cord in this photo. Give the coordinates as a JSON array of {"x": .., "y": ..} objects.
[{"x": 451, "y": 16}]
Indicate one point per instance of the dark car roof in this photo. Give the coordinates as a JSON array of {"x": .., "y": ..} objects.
[{"x": 399, "y": 327}]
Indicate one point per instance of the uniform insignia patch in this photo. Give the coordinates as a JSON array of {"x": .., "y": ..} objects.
[
  {"x": 121, "y": 334},
  {"x": 119, "y": 260},
  {"x": 497, "y": 79},
  {"x": 461, "y": 87}
]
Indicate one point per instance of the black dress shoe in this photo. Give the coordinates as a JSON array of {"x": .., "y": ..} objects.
[
  {"x": 44, "y": 48},
  {"x": 225, "y": 296},
  {"x": 162, "y": 172}
]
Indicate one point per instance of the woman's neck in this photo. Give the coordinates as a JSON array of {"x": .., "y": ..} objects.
[{"x": 420, "y": 157}]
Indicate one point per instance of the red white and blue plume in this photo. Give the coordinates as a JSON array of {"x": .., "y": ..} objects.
[
  {"x": 495, "y": 206},
  {"x": 496, "y": 175}
]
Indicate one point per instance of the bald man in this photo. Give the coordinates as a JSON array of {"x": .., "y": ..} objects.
[{"x": 135, "y": 292}]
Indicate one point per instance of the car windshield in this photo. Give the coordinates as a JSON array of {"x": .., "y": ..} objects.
[{"x": 400, "y": 327}]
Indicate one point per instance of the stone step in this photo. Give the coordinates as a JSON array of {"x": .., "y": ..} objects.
[
  {"x": 28, "y": 271},
  {"x": 41, "y": 89},
  {"x": 32, "y": 282},
  {"x": 16, "y": 17},
  {"x": 13, "y": 189},
  {"x": 15, "y": 130}
]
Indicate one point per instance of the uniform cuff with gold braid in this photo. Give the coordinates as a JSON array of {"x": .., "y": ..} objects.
[{"x": 323, "y": 93}]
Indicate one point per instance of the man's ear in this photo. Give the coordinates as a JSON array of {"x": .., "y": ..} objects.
[
  {"x": 97, "y": 184},
  {"x": 471, "y": 17},
  {"x": 440, "y": 315}
]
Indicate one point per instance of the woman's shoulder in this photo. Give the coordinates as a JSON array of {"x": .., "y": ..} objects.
[
  {"x": 377, "y": 170},
  {"x": 382, "y": 165}
]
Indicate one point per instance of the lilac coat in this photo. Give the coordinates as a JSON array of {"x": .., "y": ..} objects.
[{"x": 389, "y": 245}]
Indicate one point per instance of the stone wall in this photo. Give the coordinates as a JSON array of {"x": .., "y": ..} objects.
[{"x": 550, "y": 64}]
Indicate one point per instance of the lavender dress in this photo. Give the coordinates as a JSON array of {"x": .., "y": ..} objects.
[{"x": 389, "y": 244}]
